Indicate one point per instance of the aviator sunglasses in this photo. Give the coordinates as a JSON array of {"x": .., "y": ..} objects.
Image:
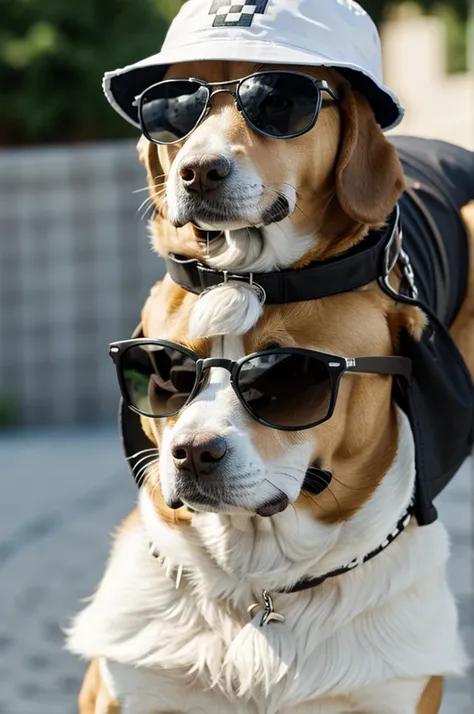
[
  {"x": 290, "y": 389},
  {"x": 277, "y": 104}
]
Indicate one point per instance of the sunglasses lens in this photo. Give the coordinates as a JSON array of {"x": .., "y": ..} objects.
[
  {"x": 158, "y": 380},
  {"x": 170, "y": 110},
  {"x": 280, "y": 104},
  {"x": 286, "y": 389}
]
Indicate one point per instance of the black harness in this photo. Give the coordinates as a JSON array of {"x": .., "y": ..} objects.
[{"x": 427, "y": 227}]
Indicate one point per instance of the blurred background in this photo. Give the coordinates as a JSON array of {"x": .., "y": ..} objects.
[{"x": 75, "y": 269}]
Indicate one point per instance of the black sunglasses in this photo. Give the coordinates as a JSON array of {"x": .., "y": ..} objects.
[
  {"x": 280, "y": 105},
  {"x": 284, "y": 388}
]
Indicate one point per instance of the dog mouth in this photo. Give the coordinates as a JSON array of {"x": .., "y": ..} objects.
[
  {"x": 199, "y": 500},
  {"x": 206, "y": 237},
  {"x": 276, "y": 505},
  {"x": 277, "y": 212},
  {"x": 211, "y": 219}
]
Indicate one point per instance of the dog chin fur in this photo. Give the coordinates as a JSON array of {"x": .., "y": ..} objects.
[
  {"x": 260, "y": 250},
  {"x": 253, "y": 249},
  {"x": 193, "y": 650}
]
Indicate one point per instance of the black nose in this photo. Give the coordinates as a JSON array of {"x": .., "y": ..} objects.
[
  {"x": 202, "y": 174},
  {"x": 199, "y": 454}
]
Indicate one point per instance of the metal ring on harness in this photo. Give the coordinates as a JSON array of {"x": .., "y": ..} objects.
[{"x": 408, "y": 275}]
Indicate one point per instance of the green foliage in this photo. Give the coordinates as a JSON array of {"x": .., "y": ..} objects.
[
  {"x": 378, "y": 9},
  {"x": 457, "y": 38},
  {"x": 453, "y": 13},
  {"x": 9, "y": 415},
  {"x": 53, "y": 54}
]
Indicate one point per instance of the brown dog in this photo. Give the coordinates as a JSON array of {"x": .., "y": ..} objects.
[{"x": 192, "y": 650}]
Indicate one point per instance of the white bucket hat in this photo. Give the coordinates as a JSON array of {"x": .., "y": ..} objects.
[{"x": 315, "y": 33}]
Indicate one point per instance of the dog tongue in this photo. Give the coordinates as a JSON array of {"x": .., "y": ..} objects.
[{"x": 272, "y": 507}]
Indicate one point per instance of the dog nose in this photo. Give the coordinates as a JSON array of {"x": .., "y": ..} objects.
[
  {"x": 202, "y": 174},
  {"x": 200, "y": 454}
]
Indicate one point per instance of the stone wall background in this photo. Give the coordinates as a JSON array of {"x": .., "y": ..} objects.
[{"x": 75, "y": 269}]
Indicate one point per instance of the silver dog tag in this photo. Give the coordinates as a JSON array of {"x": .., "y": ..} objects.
[{"x": 269, "y": 614}]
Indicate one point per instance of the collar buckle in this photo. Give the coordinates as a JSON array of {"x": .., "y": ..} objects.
[{"x": 248, "y": 280}]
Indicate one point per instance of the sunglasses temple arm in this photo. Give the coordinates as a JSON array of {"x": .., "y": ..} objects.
[
  {"x": 324, "y": 86},
  {"x": 381, "y": 365}
]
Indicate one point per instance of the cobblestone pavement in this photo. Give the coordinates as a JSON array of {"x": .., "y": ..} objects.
[{"x": 61, "y": 495}]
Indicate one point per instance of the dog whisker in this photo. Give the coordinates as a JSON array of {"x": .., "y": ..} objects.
[
  {"x": 145, "y": 207},
  {"x": 147, "y": 188},
  {"x": 305, "y": 215},
  {"x": 283, "y": 473},
  {"x": 149, "y": 202},
  {"x": 144, "y": 473},
  {"x": 277, "y": 488},
  {"x": 144, "y": 458},
  {"x": 302, "y": 472},
  {"x": 140, "y": 473},
  {"x": 143, "y": 451}
]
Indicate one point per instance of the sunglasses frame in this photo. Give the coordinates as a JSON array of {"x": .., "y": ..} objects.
[
  {"x": 337, "y": 366},
  {"x": 319, "y": 84}
]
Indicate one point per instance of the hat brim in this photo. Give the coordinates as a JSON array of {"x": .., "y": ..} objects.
[{"x": 123, "y": 85}]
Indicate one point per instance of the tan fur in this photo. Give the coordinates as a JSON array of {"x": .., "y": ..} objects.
[
  {"x": 430, "y": 702},
  {"x": 128, "y": 523},
  {"x": 94, "y": 698},
  {"x": 174, "y": 518}
]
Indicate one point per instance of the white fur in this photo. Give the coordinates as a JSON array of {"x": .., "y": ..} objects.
[
  {"x": 260, "y": 250},
  {"x": 376, "y": 633},
  {"x": 231, "y": 308}
]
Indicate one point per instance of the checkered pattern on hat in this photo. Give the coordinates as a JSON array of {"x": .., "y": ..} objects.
[{"x": 239, "y": 13}]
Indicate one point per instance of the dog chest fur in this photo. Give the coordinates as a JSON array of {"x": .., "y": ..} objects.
[{"x": 164, "y": 649}]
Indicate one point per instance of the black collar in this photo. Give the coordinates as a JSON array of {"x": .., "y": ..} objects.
[{"x": 373, "y": 258}]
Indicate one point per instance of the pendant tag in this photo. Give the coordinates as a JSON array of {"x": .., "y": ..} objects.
[{"x": 269, "y": 614}]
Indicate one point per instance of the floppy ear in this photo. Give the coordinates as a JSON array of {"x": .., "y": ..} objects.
[
  {"x": 369, "y": 175},
  {"x": 148, "y": 155}
]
